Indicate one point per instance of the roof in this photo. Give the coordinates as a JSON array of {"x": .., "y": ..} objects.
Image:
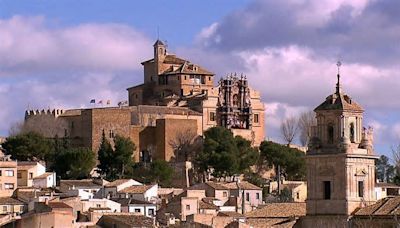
[
  {"x": 130, "y": 220},
  {"x": 9, "y": 201},
  {"x": 58, "y": 205},
  {"x": 214, "y": 185},
  {"x": 158, "y": 42},
  {"x": 230, "y": 214},
  {"x": 117, "y": 182},
  {"x": 99, "y": 209},
  {"x": 43, "y": 176},
  {"x": 242, "y": 185},
  {"x": 129, "y": 201},
  {"x": 80, "y": 183},
  {"x": 205, "y": 205},
  {"x": 385, "y": 207},
  {"x": 386, "y": 185},
  {"x": 339, "y": 101},
  {"x": 279, "y": 210},
  {"x": 136, "y": 189},
  {"x": 24, "y": 165}
]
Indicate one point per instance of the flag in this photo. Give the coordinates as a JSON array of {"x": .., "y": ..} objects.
[
  {"x": 93, "y": 101},
  {"x": 101, "y": 102},
  {"x": 108, "y": 102}
]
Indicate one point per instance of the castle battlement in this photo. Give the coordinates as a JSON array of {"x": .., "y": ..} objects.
[{"x": 37, "y": 112}]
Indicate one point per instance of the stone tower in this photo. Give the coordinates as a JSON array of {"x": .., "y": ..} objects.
[
  {"x": 234, "y": 105},
  {"x": 340, "y": 159},
  {"x": 160, "y": 51}
]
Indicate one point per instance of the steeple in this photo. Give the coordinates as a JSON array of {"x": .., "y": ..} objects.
[{"x": 338, "y": 86}]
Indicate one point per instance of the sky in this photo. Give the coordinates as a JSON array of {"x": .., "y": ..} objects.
[{"x": 62, "y": 54}]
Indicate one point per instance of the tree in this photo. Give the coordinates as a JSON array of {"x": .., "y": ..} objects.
[
  {"x": 224, "y": 154},
  {"x": 105, "y": 156},
  {"x": 291, "y": 160},
  {"x": 186, "y": 144},
  {"x": 289, "y": 128},
  {"x": 75, "y": 163},
  {"x": 305, "y": 122},
  {"x": 384, "y": 170},
  {"x": 161, "y": 172},
  {"x": 124, "y": 148},
  {"x": 29, "y": 146}
]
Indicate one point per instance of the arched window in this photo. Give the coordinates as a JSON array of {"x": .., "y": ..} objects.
[
  {"x": 330, "y": 133},
  {"x": 235, "y": 100},
  {"x": 352, "y": 135}
]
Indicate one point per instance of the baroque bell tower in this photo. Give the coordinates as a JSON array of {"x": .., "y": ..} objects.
[{"x": 340, "y": 158}]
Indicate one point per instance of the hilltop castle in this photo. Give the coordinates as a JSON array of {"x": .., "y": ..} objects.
[{"x": 176, "y": 96}]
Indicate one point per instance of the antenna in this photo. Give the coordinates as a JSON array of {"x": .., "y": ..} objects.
[
  {"x": 338, "y": 87},
  {"x": 338, "y": 64},
  {"x": 158, "y": 32}
]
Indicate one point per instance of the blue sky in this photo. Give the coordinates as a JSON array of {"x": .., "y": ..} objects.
[{"x": 62, "y": 54}]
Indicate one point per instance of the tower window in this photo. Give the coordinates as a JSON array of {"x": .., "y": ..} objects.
[
  {"x": 361, "y": 189},
  {"x": 212, "y": 116},
  {"x": 235, "y": 100},
  {"x": 330, "y": 134},
  {"x": 327, "y": 190},
  {"x": 352, "y": 136},
  {"x": 256, "y": 118}
]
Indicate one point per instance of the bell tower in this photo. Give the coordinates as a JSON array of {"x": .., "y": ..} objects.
[
  {"x": 160, "y": 51},
  {"x": 340, "y": 158}
]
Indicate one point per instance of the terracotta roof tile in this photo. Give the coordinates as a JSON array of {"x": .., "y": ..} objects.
[
  {"x": 43, "y": 176},
  {"x": 136, "y": 189},
  {"x": 204, "y": 205},
  {"x": 339, "y": 102},
  {"x": 243, "y": 185},
  {"x": 117, "y": 182},
  {"x": 58, "y": 205},
  {"x": 80, "y": 183},
  {"x": 279, "y": 210},
  {"x": 9, "y": 201},
  {"x": 132, "y": 220}
]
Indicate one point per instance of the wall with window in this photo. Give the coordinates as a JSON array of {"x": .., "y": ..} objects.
[{"x": 8, "y": 178}]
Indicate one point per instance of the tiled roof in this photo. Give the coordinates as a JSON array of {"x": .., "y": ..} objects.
[
  {"x": 80, "y": 183},
  {"x": 243, "y": 185},
  {"x": 385, "y": 207},
  {"x": 204, "y": 205},
  {"x": 10, "y": 201},
  {"x": 129, "y": 201},
  {"x": 230, "y": 214},
  {"x": 117, "y": 182},
  {"x": 279, "y": 210},
  {"x": 131, "y": 220},
  {"x": 58, "y": 205},
  {"x": 386, "y": 185},
  {"x": 214, "y": 185},
  {"x": 43, "y": 176},
  {"x": 339, "y": 101},
  {"x": 25, "y": 165},
  {"x": 99, "y": 209},
  {"x": 136, "y": 189}
]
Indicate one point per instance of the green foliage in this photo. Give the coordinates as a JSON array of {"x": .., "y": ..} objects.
[
  {"x": 75, "y": 163},
  {"x": 158, "y": 171},
  {"x": 116, "y": 163},
  {"x": 161, "y": 172},
  {"x": 291, "y": 160},
  {"x": 385, "y": 172},
  {"x": 285, "y": 195},
  {"x": 224, "y": 154},
  {"x": 29, "y": 146}
]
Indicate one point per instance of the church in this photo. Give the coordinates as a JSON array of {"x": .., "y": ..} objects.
[{"x": 176, "y": 97}]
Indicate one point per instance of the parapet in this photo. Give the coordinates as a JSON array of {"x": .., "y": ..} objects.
[{"x": 37, "y": 112}]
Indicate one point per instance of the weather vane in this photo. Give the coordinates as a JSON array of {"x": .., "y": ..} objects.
[{"x": 338, "y": 64}]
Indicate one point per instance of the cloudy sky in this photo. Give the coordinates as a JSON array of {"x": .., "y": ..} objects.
[{"x": 62, "y": 54}]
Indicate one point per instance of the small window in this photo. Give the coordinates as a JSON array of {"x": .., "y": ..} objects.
[
  {"x": 297, "y": 195},
  {"x": 212, "y": 116},
  {"x": 137, "y": 210},
  {"x": 111, "y": 134},
  {"x": 72, "y": 124},
  {"x": 151, "y": 211},
  {"x": 9, "y": 173},
  {"x": 257, "y": 195},
  {"x": 209, "y": 78},
  {"x": 30, "y": 175},
  {"x": 185, "y": 77},
  {"x": 361, "y": 189},
  {"x": 98, "y": 205},
  {"x": 224, "y": 194},
  {"x": 8, "y": 186},
  {"x": 352, "y": 135},
  {"x": 327, "y": 190},
  {"x": 256, "y": 118},
  {"x": 5, "y": 208},
  {"x": 247, "y": 196},
  {"x": 0, "y": 173},
  {"x": 187, "y": 207},
  {"x": 181, "y": 92}
]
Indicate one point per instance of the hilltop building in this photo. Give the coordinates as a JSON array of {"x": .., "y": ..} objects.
[{"x": 176, "y": 97}]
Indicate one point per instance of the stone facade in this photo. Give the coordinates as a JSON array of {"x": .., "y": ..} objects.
[{"x": 340, "y": 162}]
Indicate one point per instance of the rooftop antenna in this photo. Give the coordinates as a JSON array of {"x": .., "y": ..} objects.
[{"x": 158, "y": 32}]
